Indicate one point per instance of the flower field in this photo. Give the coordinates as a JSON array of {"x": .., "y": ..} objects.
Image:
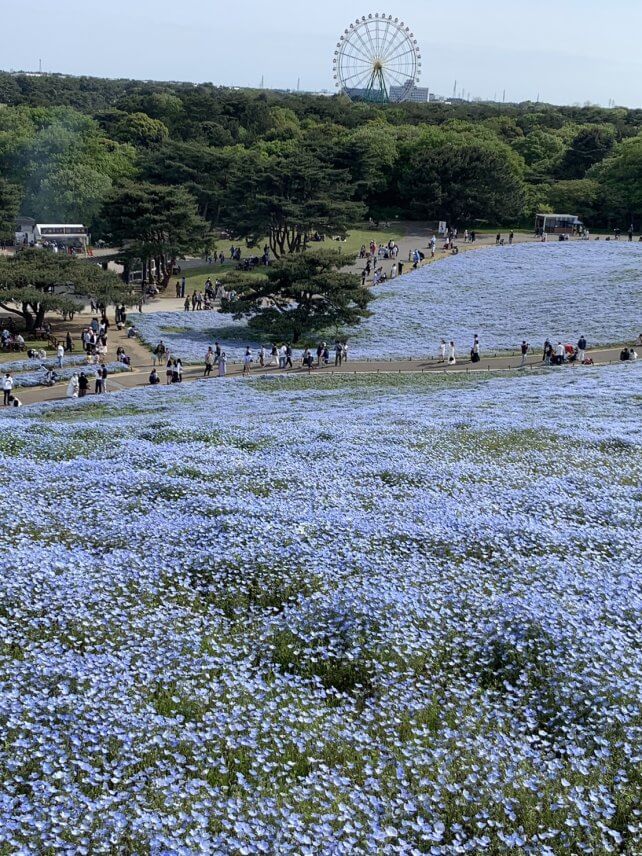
[
  {"x": 505, "y": 295},
  {"x": 325, "y": 616}
]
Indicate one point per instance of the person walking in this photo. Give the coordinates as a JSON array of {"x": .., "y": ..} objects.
[
  {"x": 581, "y": 350},
  {"x": 247, "y": 362},
  {"x": 288, "y": 357},
  {"x": 7, "y": 387},
  {"x": 222, "y": 364},
  {"x": 524, "y": 351},
  {"x": 338, "y": 353},
  {"x": 452, "y": 355}
]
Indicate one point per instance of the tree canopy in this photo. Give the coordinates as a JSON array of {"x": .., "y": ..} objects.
[
  {"x": 154, "y": 222},
  {"x": 269, "y": 166},
  {"x": 299, "y": 296},
  {"x": 34, "y": 282}
]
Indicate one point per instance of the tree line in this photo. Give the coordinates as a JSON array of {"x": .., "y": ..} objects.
[{"x": 160, "y": 166}]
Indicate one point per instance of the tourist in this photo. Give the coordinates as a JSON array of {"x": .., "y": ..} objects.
[
  {"x": 247, "y": 362},
  {"x": 442, "y": 351},
  {"x": 524, "y": 351},
  {"x": 14, "y": 401},
  {"x": 320, "y": 348},
  {"x": 98, "y": 387},
  {"x": 274, "y": 355},
  {"x": 73, "y": 386},
  {"x": 69, "y": 345},
  {"x": 338, "y": 353},
  {"x": 169, "y": 370},
  {"x": 222, "y": 364},
  {"x": 632, "y": 354},
  {"x": 262, "y": 355},
  {"x": 560, "y": 353},
  {"x": 217, "y": 353},
  {"x": 475, "y": 355},
  {"x": 326, "y": 355},
  {"x": 7, "y": 387},
  {"x": 452, "y": 356},
  {"x": 154, "y": 378},
  {"x": 282, "y": 357},
  {"x": 288, "y": 357},
  {"x": 60, "y": 354},
  {"x": 83, "y": 385},
  {"x": 186, "y": 305},
  {"x": 307, "y": 360},
  {"x": 581, "y": 350},
  {"x": 511, "y": 237},
  {"x": 624, "y": 354},
  {"x": 209, "y": 362},
  {"x": 177, "y": 371},
  {"x": 104, "y": 373}
]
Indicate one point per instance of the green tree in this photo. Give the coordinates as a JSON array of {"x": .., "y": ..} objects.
[
  {"x": 588, "y": 147},
  {"x": 582, "y": 196},
  {"x": 34, "y": 282},
  {"x": 301, "y": 295},
  {"x": 287, "y": 193},
  {"x": 10, "y": 198},
  {"x": 139, "y": 129},
  {"x": 155, "y": 223},
  {"x": 72, "y": 194},
  {"x": 460, "y": 180},
  {"x": 619, "y": 179}
]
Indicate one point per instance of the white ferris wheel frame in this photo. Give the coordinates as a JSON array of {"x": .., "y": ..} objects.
[{"x": 375, "y": 53}]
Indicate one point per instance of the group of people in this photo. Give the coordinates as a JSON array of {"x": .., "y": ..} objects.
[
  {"x": 11, "y": 341},
  {"x": 563, "y": 353},
  {"x": 79, "y": 384}
]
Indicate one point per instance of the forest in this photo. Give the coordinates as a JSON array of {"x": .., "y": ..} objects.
[{"x": 175, "y": 162}]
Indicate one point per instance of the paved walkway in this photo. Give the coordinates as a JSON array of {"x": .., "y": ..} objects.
[{"x": 139, "y": 376}]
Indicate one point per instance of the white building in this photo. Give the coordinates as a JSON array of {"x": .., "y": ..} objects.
[{"x": 32, "y": 234}]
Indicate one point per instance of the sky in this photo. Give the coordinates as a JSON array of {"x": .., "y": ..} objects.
[{"x": 565, "y": 51}]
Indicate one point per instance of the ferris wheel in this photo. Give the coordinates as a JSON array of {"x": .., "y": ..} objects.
[{"x": 377, "y": 59}]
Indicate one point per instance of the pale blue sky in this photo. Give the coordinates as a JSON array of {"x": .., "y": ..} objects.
[{"x": 568, "y": 51}]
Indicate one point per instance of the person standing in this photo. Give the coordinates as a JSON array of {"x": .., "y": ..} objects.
[
  {"x": 475, "y": 355},
  {"x": 559, "y": 353},
  {"x": 262, "y": 356},
  {"x": 98, "y": 387},
  {"x": 222, "y": 364},
  {"x": 288, "y": 357},
  {"x": 581, "y": 349},
  {"x": 60, "y": 355},
  {"x": 247, "y": 362},
  {"x": 104, "y": 372},
  {"x": 524, "y": 350},
  {"x": 511, "y": 237},
  {"x": 217, "y": 353},
  {"x": 83, "y": 385},
  {"x": 338, "y": 353},
  {"x": 209, "y": 362},
  {"x": 452, "y": 354},
  {"x": 442, "y": 351},
  {"x": 169, "y": 371},
  {"x": 183, "y": 286},
  {"x": 7, "y": 387},
  {"x": 73, "y": 387},
  {"x": 69, "y": 345}
]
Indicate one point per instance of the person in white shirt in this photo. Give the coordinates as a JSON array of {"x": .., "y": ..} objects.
[
  {"x": 60, "y": 353},
  {"x": 560, "y": 351},
  {"x": 7, "y": 386},
  {"x": 247, "y": 362},
  {"x": 442, "y": 351}
]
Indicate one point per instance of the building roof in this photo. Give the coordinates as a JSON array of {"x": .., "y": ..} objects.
[{"x": 59, "y": 226}]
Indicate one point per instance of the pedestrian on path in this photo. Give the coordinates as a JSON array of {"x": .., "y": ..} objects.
[
  {"x": 83, "y": 385},
  {"x": 452, "y": 355},
  {"x": 581, "y": 350},
  {"x": 209, "y": 362},
  {"x": 7, "y": 387},
  {"x": 60, "y": 355},
  {"x": 524, "y": 349},
  {"x": 73, "y": 387},
  {"x": 222, "y": 364},
  {"x": 247, "y": 362},
  {"x": 338, "y": 353},
  {"x": 98, "y": 387},
  {"x": 475, "y": 355},
  {"x": 442, "y": 351},
  {"x": 169, "y": 370}
]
